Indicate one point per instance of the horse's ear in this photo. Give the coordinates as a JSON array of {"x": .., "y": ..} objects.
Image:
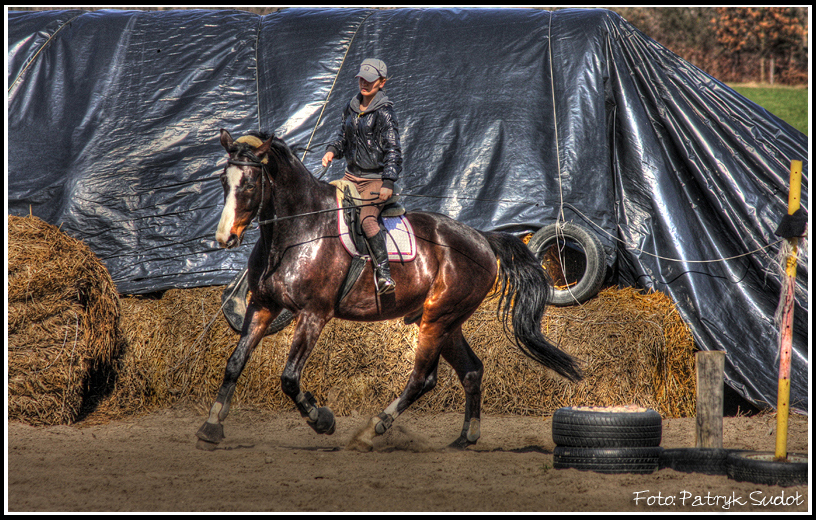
[
  {"x": 226, "y": 139},
  {"x": 264, "y": 148}
]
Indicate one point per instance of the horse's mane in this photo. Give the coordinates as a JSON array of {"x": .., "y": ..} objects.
[
  {"x": 256, "y": 139},
  {"x": 279, "y": 147}
]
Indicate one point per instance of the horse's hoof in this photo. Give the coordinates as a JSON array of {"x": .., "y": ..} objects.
[
  {"x": 212, "y": 433},
  {"x": 461, "y": 443},
  {"x": 206, "y": 445},
  {"x": 325, "y": 421}
]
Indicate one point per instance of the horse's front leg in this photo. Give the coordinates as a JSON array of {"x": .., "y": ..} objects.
[
  {"x": 307, "y": 331},
  {"x": 255, "y": 324}
]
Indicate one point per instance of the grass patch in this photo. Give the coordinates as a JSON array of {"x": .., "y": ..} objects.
[{"x": 788, "y": 103}]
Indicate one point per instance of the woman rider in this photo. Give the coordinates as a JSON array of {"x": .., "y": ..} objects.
[{"x": 368, "y": 139}]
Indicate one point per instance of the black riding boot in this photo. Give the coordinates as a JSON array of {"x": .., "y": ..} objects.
[{"x": 385, "y": 284}]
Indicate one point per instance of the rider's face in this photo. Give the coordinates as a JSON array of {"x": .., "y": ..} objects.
[{"x": 368, "y": 88}]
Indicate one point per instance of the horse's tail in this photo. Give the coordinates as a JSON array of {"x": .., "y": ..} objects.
[{"x": 524, "y": 292}]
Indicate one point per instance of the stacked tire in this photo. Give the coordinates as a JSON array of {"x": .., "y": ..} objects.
[
  {"x": 760, "y": 467},
  {"x": 607, "y": 440},
  {"x": 709, "y": 461}
]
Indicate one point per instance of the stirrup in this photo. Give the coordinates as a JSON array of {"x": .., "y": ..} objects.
[{"x": 382, "y": 279}]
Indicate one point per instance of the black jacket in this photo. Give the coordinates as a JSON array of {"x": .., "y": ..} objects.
[{"x": 369, "y": 141}]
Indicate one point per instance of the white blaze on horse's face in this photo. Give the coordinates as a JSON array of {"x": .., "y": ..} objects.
[{"x": 226, "y": 234}]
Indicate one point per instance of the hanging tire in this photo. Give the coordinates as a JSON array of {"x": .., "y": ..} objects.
[
  {"x": 710, "y": 461},
  {"x": 234, "y": 306},
  {"x": 607, "y": 460},
  {"x": 606, "y": 429},
  {"x": 574, "y": 258},
  {"x": 761, "y": 468}
]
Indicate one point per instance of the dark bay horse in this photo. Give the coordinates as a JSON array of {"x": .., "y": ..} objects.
[{"x": 299, "y": 264}]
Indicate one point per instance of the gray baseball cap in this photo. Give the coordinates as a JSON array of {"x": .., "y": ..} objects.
[{"x": 372, "y": 69}]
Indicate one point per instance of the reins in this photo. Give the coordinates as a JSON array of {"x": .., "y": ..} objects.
[
  {"x": 254, "y": 161},
  {"x": 289, "y": 217}
]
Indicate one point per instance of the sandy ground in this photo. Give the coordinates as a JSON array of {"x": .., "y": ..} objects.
[{"x": 275, "y": 462}]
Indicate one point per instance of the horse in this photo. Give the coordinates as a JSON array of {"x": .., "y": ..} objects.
[{"x": 298, "y": 265}]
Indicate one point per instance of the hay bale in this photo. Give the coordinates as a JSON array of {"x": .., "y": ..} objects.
[
  {"x": 62, "y": 322},
  {"x": 172, "y": 352},
  {"x": 635, "y": 348},
  {"x": 65, "y": 325}
]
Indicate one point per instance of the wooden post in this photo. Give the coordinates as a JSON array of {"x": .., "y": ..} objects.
[
  {"x": 786, "y": 328},
  {"x": 709, "y": 430}
]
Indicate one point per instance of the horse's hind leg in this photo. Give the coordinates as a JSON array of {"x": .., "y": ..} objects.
[
  {"x": 422, "y": 380},
  {"x": 212, "y": 431},
  {"x": 469, "y": 369}
]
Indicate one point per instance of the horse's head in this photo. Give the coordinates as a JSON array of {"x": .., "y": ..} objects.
[{"x": 243, "y": 182}]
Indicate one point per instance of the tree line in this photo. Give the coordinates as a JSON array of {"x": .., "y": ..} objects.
[{"x": 733, "y": 44}]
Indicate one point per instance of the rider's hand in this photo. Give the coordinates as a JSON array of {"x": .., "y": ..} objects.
[
  {"x": 328, "y": 158},
  {"x": 385, "y": 194}
]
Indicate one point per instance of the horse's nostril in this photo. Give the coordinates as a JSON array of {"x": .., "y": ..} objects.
[{"x": 228, "y": 243}]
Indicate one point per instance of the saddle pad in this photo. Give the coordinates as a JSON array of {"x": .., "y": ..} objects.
[{"x": 399, "y": 237}]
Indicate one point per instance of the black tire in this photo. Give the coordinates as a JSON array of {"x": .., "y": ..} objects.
[
  {"x": 577, "y": 248},
  {"x": 234, "y": 305},
  {"x": 607, "y": 460},
  {"x": 710, "y": 461},
  {"x": 760, "y": 468},
  {"x": 602, "y": 429}
]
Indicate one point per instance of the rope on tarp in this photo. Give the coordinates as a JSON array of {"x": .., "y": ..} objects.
[
  {"x": 42, "y": 48},
  {"x": 334, "y": 82}
]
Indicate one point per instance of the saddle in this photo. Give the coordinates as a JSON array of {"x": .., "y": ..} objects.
[{"x": 400, "y": 240}]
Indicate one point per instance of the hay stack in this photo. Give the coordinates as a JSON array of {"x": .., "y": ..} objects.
[
  {"x": 63, "y": 313},
  {"x": 635, "y": 349},
  {"x": 62, "y": 322},
  {"x": 171, "y": 355}
]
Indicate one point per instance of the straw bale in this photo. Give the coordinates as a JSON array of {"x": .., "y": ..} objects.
[
  {"x": 172, "y": 352},
  {"x": 634, "y": 347},
  {"x": 65, "y": 326},
  {"x": 62, "y": 319}
]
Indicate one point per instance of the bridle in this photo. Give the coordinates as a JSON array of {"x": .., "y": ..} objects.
[{"x": 254, "y": 161}]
